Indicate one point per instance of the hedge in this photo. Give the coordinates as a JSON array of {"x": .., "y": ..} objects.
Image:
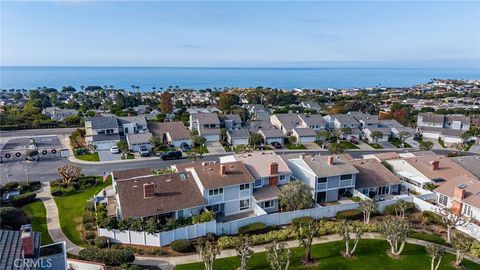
[
  {"x": 390, "y": 210},
  {"x": 254, "y": 228},
  {"x": 430, "y": 217},
  {"x": 12, "y": 218},
  {"x": 353, "y": 214},
  {"x": 297, "y": 221},
  {"x": 113, "y": 257},
  {"x": 101, "y": 242},
  {"x": 182, "y": 246},
  {"x": 22, "y": 199},
  {"x": 29, "y": 186},
  {"x": 11, "y": 185}
]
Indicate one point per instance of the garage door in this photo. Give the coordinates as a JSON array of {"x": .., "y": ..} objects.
[{"x": 104, "y": 145}]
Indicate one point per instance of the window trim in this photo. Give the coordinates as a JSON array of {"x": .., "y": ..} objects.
[
  {"x": 255, "y": 182},
  {"x": 321, "y": 182},
  {"x": 244, "y": 187},
  {"x": 244, "y": 207},
  {"x": 349, "y": 175},
  {"x": 211, "y": 192}
]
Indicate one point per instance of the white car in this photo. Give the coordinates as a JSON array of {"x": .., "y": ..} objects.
[{"x": 114, "y": 150}]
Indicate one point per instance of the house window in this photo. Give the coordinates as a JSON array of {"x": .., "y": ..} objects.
[
  {"x": 214, "y": 208},
  {"x": 283, "y": 178},
  {"x": 244, "y": 204},
  {"x": 443, "y": 200},
  {"x": 267, "y": 204},
  {"x": 244, "y": 186},
  {"x": 217, "y": 191},
  {"x": 346, "y": 177},
  {"x": 467, "y": 210},
  {"x": 322, "y": 180},
  {"x": 258, "y": 183}
]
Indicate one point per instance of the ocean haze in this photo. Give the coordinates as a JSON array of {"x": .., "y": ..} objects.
[{"x": 201, "y": 78}]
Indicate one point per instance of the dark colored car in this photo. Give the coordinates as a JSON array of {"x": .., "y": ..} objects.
[
  {"x": 185, "y": 147},
  {"x": 172, "y": 155},
  {"x": 276, "y": 145},
  {"x": 354, "y": 140}
]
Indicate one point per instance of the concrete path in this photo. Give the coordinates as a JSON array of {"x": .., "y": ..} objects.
[
  {"x": 170, "y": 262},
  {"x": 53, "y": 222},
  {"x": 215, "y": 147},
  {"x": 363, "y": 146}
]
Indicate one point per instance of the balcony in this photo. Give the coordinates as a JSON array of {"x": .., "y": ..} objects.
[
  {"x": 321, "y": 186},
  {"x": 215, "y": 198},
  {"x": 345, "y": 183}
]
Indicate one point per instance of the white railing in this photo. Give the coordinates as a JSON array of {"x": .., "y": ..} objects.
[
  {"x": 359, "y": 194},
  {"x": 258, "y": 210}
]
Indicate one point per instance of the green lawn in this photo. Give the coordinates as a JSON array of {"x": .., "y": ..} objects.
[
  {"x": 295, "y": 146},
  {"x": 129, "y": 156},
  {"x": 371, "y": 254},
  {"x": 89, "y": 157},
  {"x": 200, "y": 149},
  {"x": 375, "y": 145},
  {"x": 348, "y": 145},
  {"x": 38, "y": 216},
  {"x": 429, "y": 237},
  {"x": 71, "y": 208},
  {"x": 398, "y": 143}
]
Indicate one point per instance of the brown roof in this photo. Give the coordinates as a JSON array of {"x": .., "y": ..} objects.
[
  {"x": 373, "y": 174},
  {"x": 470, "y": 185},
  {"x": 447, "y": 168},
  {"x": 127, "y": 174},
  {"x": 176, "y": 130},
  {"x": 207, "y": 118},
  {"x": 209, "y": 174},
  {"x": 172, "y": 192},
  {"x": 319, "y": 166},
  {"x": 258, "y": 163},
  {"x": 387, "y": 156},
  {"x": 432, "y": 117},
  {"x": 266, "y": 193}
]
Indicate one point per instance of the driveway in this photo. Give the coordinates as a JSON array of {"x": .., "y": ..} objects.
[
  {"x": 312, "y": 145},
  {"x": 413, "y": 143},
  {"x": 106, "y": 155},
  {"x": 215, "y": 147},
  {"x": 475, "y": 148},
  {"x": 387, "y": 145},
  {"x": 363, "y": 146}
]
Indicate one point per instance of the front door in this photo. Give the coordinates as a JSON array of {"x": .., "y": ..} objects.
[{"x": 273, "y": 181}]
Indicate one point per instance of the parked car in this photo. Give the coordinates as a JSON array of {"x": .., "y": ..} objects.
[
  {"x": 114, "y": 150},
  {"x": 172, "y": 155},
  {"x": 143, "y": 150},
  {"x": 185, "y": 147},
  {"x": 354, "y": 140},
  {"x": 276, "y": 145}
]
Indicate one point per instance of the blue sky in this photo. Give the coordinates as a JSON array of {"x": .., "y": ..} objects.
[{"x": 248, "y": 34}]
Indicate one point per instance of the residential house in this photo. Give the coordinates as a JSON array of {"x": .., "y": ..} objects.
[
  {"x": 141, "y": 109},
  {"x": 58, "y": 114},
  {"x": 340, "y": 121},
  {"x": 369, "y": 131},
  {"x": 257, "y": 112},
  {"x": 312, "y": 121},
  {"x": 469, "y": 163},
  {"x": 238, "y": 136},
  {"x": 132, "y": 124},
  {"x": 207, "y": 125},
  {"x": 269, "y": 172},
  {"x": 136, "y": 140},
  {"x": 374, "y": 179},
  {"x": 285, "y": 122},
  {"x": 366, "y": 120},
  {"x": 271, "y": 135},
  {"x": 304, "y": 135},
  {"x": 449, "y": 128},
  {"x": 101, "y": 132},
  {"x": 330, "y": 176},
  {"x": 462, "y": 195},
  {"x": 290, "y": 121},
  {"x": 396, "y": 128},
  {"x": 311, "y": 105},
  {"x": 232, "y": 121},
  {"x": 173, "y": 133}
]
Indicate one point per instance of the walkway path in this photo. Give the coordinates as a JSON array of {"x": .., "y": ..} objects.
[
  {"x": 170, "y": 262},
  {"x": 53, "y": 221}
]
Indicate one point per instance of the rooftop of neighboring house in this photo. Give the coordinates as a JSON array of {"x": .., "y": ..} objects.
[
  {"x": 444, "y": 131},
  {"x": 131, "y": 173},
  {"x": 470, "y": 187},
  {"x": 207, "y": 118},
  {"x": 392, "y": 123},
  {"x": 254, "y": 107},
  {"x": 239, "y": 133},
  {"x": 211, "y": 176},
  {"x": 423, "y": 153},
  {"x": 176, "y": 130},
  {"x": 233, "y": 117},
  {"x": 288, "y": 120},
  {"x": 345, "y": 119},
  {"x": 440, "y": 119},
  {"x": 311, "y": 104},
  {"x": 168, "y": 193},
  {"x": 321, "y": 167},
  {"x": 266, "y": 193},
  {"x": 469, "y": 163},
  {"x": 384, "y": 131},
  {"x": 53, "y": 110},
  {"x": 139, "y": 138},
  {"x": 257, "y": 125},
  {"x": 373, "y": 174},
  {"x": 313, "y": 119},
  {"x": 258, "y": 163},
  {"x": 305, "y": 132},
  {"x": 103, "y": 122},
  {"x": 383, "y": 156},
  {"x": 438, "y": 167},
  {"x": 272, "y": 133},
  {"x": 106, "y": 137},
  {"x": 365, "y": 117},
  {"x": 139, "y": 119}
]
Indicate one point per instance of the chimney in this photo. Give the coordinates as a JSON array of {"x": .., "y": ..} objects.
[
  {"x": 27, "y": 240},
  {"x": 148, "y": 190},
  {"x": 459, "y": 193},
  {"x": 330, "y": 160},
  {"x": 273, "y": 168},
  {"x": 223, "y": 169},
  {"x": 435, "y": 164}
]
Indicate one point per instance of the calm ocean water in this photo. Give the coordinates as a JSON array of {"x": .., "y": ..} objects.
[{"x": 200, "y": 78}]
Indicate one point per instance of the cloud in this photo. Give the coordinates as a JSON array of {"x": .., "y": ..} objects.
[{"x": 193, "y": 46}]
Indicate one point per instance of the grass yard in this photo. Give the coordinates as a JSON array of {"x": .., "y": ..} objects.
[
  {"x": 71, "y": 208},
  {"x": 89, "y": 157},
  {"x": 348, "y": 145},
  {"x": 398, "y": 143},
  {"x": 200, "y": 149},
  {"x": 429, "y": 237},
  {"x": 375, "y": 145},
  {"x": 371, "y": 254},
  {"x": 295, "y": 146},
  {"x": 38, "y": 216},
  {"x": 129, "y": 156}
]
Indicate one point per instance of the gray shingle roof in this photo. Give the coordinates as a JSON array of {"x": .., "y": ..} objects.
[
  {"x": 239, "y": 133},
  {"x": 139, "y": 138},
  {"x": 319, "y": 165},
  {"x": 313, "y": 119},
  {"x": 101, "y": 122},
  {"x": 106, "y": 137},
  {"x": 345, "y": 119}
]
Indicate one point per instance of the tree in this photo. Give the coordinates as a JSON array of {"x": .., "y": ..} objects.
[
  {"x": 323, "y": 135},
  {"x": 166, "y": 104},
  {"x": 346, "y": 228},
  {"x": 376, "y": 135},
  {"x": 395, "y": 232},
  {"x": 69, "y": 172},
  {"x": 426, "y": 146},
  {"x": 194, "y": 154},
  {"x": 345, "y": 131},
  {"x": 122, "y": 146},
  {"x": 462, "y": 245},
  {"x": 156, "y": 142},
  {"x": 226, "y": 101},
  {"x": 367, "y": 207},
  {"x": 243, "y": 251},
  {"x": 296, "y": 196},
  {"x": 403, "y": 135},
  {"x": 335, "y": 148},
  {"x": 255, "y": 139},
  {"x": 208, "y": 252},
  {"x": 459, "y": 147},
  {"x": 400, "y": 208},
  {"x": 466, "y": 135},
  {"x": 451, "y": 219},
  {"x": 305, "y": 232},
  {"x": 292, "y": 139},
  {"x": 278, "y": 256},
  {"x": 435, "y": 252}
]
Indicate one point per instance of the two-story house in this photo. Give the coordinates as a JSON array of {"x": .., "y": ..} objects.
[
  {"x": 207, "y": 125},
  {"x": 330, "y": 176},
  {"x": 132, "y": 124},
  {"x": 173, "y": 133},
  {"x": 101, "y": 132},
  {"x": 232, "y": 121},
  {"x": 449, "y": 128},
  {"x": 366, "y": 120},
  {"x": 339, "y": 121},
  {"x": 257, "y": 112},
  {"x": 269, "y": 172}
]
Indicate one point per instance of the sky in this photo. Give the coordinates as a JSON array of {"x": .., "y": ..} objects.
[{"x": 240, "y": 34}]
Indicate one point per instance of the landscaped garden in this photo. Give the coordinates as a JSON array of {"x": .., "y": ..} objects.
[
  {"x": 295, "y": 146},
  {"x": 348, "y": 145},
  {"x": 398, "y": 143},
  {"x": 88, "y": 156}
]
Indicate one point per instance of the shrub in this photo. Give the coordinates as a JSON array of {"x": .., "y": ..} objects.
[
  {"x": 87, "y": 181},
  {"x": 205, "y": 216},
  {"x": 258, "y": 239},
  {"x": 390, "y": 210},
  {"x": 297, "y": 221},
  {"x": 101, "y": 242},
  {"x": 22, "y": 199},
  {"x": 475, "y": 249},
  {"x": 81, "y": 151},
  {"x": 12, "y": 218},
  {"x": 88, "y": 226},
  {"x": 88, "y": 217},
  {"x": 89, "y": 206},
  {"x": 254, "y": 228},
  {"x": 429, "y": 217},
  {"x": 353, "y": 214},
  {"x": 112, "y": 257},
  {"x": 29, "y": 186},
  {"x": 356, "y": 199},
  {"x": 89, "y": 235},
  {"x": 11, "y": 185},
  {"x": 182, "y": 245}
]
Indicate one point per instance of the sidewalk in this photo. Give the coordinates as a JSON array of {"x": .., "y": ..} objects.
[{"x": 53, "y": 222}]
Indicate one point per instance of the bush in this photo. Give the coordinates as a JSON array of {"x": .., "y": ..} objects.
[
  {"x": 88, "y": 226},
  {"x": 254, "y": 228},
  {"x": 89, "y": 235},
  {"x": 356, "y": 199},
  {"x": 297, "y": 221},
  {"x": 87, "y": 181},
  {"x": 182, "y": 246},
  {"x": 112, "y": 257},
  {"x": 88, "y": 217},
  {"x": 353, "y": 214},
  {"x": 11, "y": 185},
  {"x": 22, "y": 199},
  {"x": 205, "y": 216},
  {"x": 475, "y": 249},
  {"x": 101, "y": 242},
  {"x": 81, "y": 151},
  {"x": 390, "y": 210},
  {"x": 429, "y": 217},
  {"x": 258, "y": 239},
  {"x": 12, "y": 218}
]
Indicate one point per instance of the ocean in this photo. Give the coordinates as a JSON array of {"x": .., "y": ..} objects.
[{"x": 201, "y": 78}]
